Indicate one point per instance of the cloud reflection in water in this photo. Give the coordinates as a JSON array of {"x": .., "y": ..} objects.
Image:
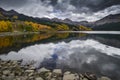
[{"x": 83, "y": 55}]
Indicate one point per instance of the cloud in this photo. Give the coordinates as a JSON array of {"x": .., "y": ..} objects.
[
  {"x": 93, "y": 16},
  {"x": 12, "y": 3},
  {"x": 76, "y": 10},
  {"x": 85, "y": 50},
  {"x": 82, "y": 55},
  {"x": 38, "y": 8}
]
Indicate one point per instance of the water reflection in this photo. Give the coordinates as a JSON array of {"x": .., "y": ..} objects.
[
  {"x": 62, "y": 35},
  {"x": 78, "y": 52},
  {"x": 14, "y": 43},
  {"x": 111, "y": 40},
  {"x": 80, "y": 55}
]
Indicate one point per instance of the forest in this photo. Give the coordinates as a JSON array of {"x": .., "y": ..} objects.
[
  {"x": 28, "y": 26},
  {"x": 11, "y": 21}
]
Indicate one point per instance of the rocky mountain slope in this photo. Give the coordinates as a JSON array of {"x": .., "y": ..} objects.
[{"x": 110, "y": 22}]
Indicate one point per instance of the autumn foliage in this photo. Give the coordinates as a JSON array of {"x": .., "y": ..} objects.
[
  {"x": 28, "y": 26},
  {"x": 62, "y": 27},
  {"x": 83, "y": 28},
  {"x": 37, "y": 27},
  {"x": 5, "y": 26}
]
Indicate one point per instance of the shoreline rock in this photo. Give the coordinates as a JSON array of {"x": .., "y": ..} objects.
[{"x": 13, "y": 70}]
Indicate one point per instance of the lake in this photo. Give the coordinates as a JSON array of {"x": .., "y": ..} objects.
[{"x": 96, "y": 52}]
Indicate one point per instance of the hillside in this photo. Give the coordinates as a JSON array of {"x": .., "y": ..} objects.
[
  {"x": 13, "y": 21},
  {"x": 109, "y": 19},
  {"x": 108, "y": 23},
  {"x": 108, "y": 27}
]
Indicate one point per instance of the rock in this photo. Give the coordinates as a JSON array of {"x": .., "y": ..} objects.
[
  {"x": 84, "y": 79},
  {"x": 31, "y": 78},
  {"x": 48, "y": 75},
  {"x": 43, "y": 70},
  {"x": 3, "y": 77},
  {"x": 104, "y": 78},
  {"x": 90, "y": 76},
  {"x": 24, "y": 78},
  {"x": 81, "y": 75},
  {"x": 32, "y": 68},
  {"x": 81, "y": 78},
  {"x": 57, "y": 74},
  {"x": 53, "y": 79},
  {"x": 38, "y": 78},
  {"x": 57, "y": 71},
  {"x": 67, "y": 72},
  {"x": 76, "y": 75},
  {"x": 14, "y": 62},
  {"x": 70, "y": 77},
  {"x": 5, "y": 67},
  {"x": 18, "y": 79},
  {"x": 6, "y": 72},
  {"x": 29, "y": 71},
  {"x": 13, "y": 70},
  {"x": 31, "y": 74},
  {"x": 19, "y": 62},
  {"x": 12, "y": 74},
  {"x": 11, "y": 77},
  {"x": 18, "y": 73}
]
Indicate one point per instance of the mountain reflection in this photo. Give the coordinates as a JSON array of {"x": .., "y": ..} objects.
[
  {"x": 80, "y": 55},
  {"x": 15, "y": 43}
]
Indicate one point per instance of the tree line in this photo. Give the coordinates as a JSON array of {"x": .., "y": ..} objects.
[{"x": 28, "y": 26}]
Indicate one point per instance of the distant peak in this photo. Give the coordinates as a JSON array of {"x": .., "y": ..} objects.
[
  {"x": 67, "y": 19},
  {"x": 12, "y": 10},
  {"x": 1, "y": 9}
]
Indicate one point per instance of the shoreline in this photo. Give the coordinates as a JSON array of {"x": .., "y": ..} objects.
[
  {"x": 13, "y": 70},
  {"x": 92, "y": 32},
  {"x": 86, "y": 32},
  {"x": 16, "y": 33}
]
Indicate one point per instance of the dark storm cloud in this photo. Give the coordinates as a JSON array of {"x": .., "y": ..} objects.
[
  {"x": 13, "y": 3},
  {"x": 94, "y": 5},
  {"x": 79, "y": 10}
]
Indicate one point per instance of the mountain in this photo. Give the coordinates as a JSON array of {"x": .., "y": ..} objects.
[
  {"x": 109, "y": 19},
  {"x": 9, "y": 15},
  {"x": 108, "y": 23},
  {"x": 21, "y": 22}
]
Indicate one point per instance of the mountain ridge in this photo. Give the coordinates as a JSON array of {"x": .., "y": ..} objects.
[{"x": 8, "y": 15}]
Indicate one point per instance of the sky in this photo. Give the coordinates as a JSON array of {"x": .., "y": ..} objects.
[{"x": 76, "y": 10}]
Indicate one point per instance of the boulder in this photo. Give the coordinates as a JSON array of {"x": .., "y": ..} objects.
[
  {"x": 71, "y": 77},
  {"x": 104, "y": 78},
  {"x": 43, "y": 70},
  {"x": 57, "y": 71},
  {"x": 6, "y": 72},
  {"x": 29, "y": 71},
  {"x": 67, "y": 72},
  {"x": 84, "y": 79},
  {"x": 38, "y": 78}
]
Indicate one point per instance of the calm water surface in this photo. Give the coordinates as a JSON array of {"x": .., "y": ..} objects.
[{"x": 97, "y": 53}]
